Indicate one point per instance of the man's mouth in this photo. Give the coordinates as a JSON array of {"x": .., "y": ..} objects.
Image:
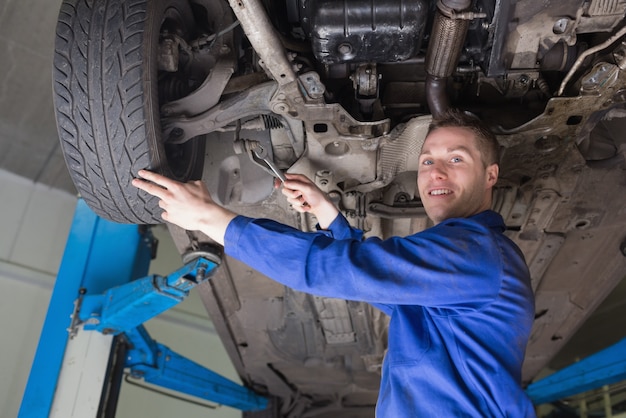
[{"x": 439, "y": 192}]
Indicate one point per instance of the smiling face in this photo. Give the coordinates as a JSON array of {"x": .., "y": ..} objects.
[{"x": 453, "y": 180}]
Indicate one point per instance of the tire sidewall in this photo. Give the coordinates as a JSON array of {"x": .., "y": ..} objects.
[{"x": 156, "y": 13}]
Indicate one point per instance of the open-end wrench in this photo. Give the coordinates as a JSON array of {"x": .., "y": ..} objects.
[{"x": 261, "y": 154}]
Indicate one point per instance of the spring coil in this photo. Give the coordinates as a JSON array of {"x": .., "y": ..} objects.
[{"x": 271, "y": 122}]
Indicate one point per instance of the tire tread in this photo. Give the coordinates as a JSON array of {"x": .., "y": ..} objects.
[{"x": 100, "y": 104}]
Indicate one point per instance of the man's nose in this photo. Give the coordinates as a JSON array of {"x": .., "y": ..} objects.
[{"x": 438, "y": 172}]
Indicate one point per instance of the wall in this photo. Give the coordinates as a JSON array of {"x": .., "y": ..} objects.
[{"x": 34, "y": 223}]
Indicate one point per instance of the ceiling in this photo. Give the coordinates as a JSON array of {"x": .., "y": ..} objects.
[{"x": 30, "y": 148}]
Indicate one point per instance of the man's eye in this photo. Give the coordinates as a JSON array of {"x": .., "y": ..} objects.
[
  {"x": 456, "y": 159},
  {"x": 427, "y": 162}
]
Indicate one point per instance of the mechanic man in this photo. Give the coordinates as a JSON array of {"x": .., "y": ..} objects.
[{"x": 458, "y": 293}]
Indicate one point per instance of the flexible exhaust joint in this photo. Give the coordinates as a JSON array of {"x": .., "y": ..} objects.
[{"x": 444, "y": 50}]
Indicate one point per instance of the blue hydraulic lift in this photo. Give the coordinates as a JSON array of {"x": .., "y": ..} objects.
[{"x": 93, "y": 329}]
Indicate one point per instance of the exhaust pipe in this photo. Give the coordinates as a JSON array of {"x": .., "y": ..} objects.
[{"x": 444, "y": 50}]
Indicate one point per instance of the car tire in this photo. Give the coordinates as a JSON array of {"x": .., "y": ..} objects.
[{"x": 107, "y": 102}]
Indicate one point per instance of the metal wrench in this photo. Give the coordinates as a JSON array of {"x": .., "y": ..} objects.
[{"x": 261, "y": 153}]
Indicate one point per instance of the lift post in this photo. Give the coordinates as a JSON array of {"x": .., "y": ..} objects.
[{"x": 98, "y": 300}]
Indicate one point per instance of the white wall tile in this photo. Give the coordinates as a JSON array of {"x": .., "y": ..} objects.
[
  {"x": 34, "y": 221},
  {"x": 43, "y": 234},
  {"x": 15, "y": 192},
  {"x": 23, "y": 307}
]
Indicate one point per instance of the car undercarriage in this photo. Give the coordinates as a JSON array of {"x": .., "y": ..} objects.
[{"x": 343, "y": 92}]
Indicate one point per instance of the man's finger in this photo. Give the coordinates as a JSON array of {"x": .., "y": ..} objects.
[
  {"x": 292, "y": 193},
  {"x": 157, "y": 178},
  {"x": 151, "y": 188}
]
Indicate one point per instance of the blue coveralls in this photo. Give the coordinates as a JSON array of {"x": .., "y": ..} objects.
[{"x": 458, "y": 295}]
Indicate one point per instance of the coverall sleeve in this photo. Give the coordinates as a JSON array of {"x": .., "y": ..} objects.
[
  {"x": 455, "y": 266},
  {"x": 341, "y": 229}
]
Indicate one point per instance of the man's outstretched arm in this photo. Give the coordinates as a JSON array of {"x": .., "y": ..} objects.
[{"x": 190, "y": 206}]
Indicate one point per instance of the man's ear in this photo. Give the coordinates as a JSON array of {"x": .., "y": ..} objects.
[{"x": 492, "y": 174}]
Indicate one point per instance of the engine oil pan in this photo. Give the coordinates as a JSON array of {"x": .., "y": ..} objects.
[{"x": 358, "y": 31}]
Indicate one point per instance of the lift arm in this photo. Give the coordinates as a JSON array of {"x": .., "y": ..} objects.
[
  {"x": 603, "y": 368},
  {"x": 125, "y": 307},
  {"x": 159, "y": 365}
]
